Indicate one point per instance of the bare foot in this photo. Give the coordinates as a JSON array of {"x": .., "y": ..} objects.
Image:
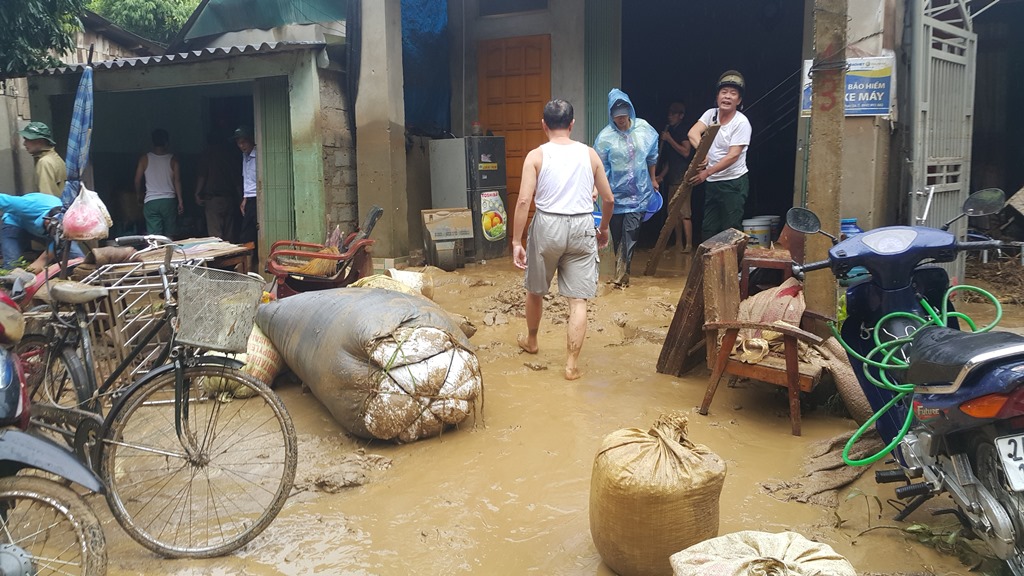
[
  {"x": 524, "y": 345},
  {"x": 572, "y": 374}
]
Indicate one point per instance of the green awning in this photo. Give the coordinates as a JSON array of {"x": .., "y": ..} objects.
[{"x": 221, "y": 16}]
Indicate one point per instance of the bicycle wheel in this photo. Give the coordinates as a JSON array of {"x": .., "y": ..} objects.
[
  {"x": 46, "y": 528},
  {"x": 212, "y": 497},
  {"x": 54, "y": 376}
]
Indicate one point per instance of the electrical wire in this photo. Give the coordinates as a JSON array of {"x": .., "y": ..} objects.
[{"x": 890, "y": 362}]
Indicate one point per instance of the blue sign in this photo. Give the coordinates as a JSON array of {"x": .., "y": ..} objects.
[{"x": 868, "y": 91}]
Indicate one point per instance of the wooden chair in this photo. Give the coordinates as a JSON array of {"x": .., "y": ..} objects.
[{"x": 721, "y": 309}]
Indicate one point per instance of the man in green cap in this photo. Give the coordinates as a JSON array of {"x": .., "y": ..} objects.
[{"x": 50, "y": 168}]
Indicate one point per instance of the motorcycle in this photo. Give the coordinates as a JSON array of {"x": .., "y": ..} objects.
[
  {"x": 45, "y": 526},
  {"x": 948, "y": 403}
]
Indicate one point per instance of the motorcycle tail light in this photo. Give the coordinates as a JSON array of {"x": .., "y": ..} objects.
[{"x": 990, "y": 405}]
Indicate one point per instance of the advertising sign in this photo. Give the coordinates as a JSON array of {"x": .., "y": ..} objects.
[{"x": 869, "y": 87}]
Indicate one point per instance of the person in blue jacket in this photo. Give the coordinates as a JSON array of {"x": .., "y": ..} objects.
[
  {"x": 24, "y": 217},
  {"x": 628, "y": 147}
]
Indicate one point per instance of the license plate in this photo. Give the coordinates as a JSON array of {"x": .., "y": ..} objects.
[{"x": 1011, "y": 452}]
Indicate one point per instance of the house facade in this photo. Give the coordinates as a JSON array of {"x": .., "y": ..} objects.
[{"x": 328, "y": 96}]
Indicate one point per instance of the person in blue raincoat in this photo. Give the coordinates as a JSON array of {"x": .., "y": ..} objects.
[
  {"x": 24, "y": 219},
  {"x": 628, "y": 147}
]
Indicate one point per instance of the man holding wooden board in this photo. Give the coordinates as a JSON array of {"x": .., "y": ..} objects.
[{"x": 725, "y": 170}]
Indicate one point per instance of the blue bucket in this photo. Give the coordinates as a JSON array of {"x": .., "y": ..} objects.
[{"x": 653, "y": 205}]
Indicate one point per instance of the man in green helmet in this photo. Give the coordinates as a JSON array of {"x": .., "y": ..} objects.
[
  {"x": 51, "y": 172},
  {"x": 725, "y": 170}
]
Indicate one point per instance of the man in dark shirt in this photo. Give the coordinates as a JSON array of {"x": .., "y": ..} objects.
[{"x": 675, "y": 158}]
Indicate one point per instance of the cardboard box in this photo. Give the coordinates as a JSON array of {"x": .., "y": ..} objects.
[
  {"x": 447, "y": 224},
  {"x": 444, "y": 229}
]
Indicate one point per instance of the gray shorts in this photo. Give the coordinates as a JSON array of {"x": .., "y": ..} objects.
[{"x": 566, "y": 244}]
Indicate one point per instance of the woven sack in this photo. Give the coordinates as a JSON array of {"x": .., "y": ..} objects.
[
  {"x": 262, "y": 360},
  {"x": 761, "y": 553},
  {"x": 653, "y": 493}
]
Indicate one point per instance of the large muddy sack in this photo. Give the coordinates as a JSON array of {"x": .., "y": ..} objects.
[
  {"x": 750, "y": 553},
  {"x": 387, "y": 365},
  {"x": 653, "y": 493}
]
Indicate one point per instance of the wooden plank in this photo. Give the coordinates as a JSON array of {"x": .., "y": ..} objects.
[
  {"x": 681, "y": 192},
  {"x": 683, "y": 349},
  {"x": 721, "y": 290}
]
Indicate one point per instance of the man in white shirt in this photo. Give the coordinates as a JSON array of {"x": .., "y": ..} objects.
[
  {"x": 725, "y": 169},
  {"x": 560, "y": 177},
  {"x": 250, "y": 220}
]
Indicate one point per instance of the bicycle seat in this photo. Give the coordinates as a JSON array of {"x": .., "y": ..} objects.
[{"x": 76, "y": 292}]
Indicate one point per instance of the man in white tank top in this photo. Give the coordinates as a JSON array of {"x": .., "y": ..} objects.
[
  {"x": 560, "y": 177},
  {"x": 162, "y": 201}
]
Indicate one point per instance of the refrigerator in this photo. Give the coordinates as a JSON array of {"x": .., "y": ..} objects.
[{"x": 470, "y": 173}]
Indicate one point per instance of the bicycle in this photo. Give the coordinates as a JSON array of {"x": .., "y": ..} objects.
[{"x": 197, "y": 456}]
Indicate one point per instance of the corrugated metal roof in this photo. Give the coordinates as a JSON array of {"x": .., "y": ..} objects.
[{"x": 205, "y": 54}]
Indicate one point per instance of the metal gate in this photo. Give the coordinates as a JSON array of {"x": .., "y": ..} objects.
[{"x": 942, "y": 70}]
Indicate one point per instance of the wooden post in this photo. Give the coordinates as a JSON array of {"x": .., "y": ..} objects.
[
  {"x": 828, "y": 88},
  {"x": 677, "y": 198}
]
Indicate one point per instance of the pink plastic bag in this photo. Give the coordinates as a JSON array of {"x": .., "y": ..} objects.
[{"x": 87, "y": 218}]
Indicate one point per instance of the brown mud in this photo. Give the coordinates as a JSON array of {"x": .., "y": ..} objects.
[{"x": 508, "y": 493}]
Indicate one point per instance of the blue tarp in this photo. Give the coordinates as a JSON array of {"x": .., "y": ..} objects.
[{"x": 425, "y": 62}]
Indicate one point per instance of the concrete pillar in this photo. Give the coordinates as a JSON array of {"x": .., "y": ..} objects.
[
  {"x": 307, "y": 150},
  {"x": 380, "y": 126},
  {"x": 826, "y": 144}
]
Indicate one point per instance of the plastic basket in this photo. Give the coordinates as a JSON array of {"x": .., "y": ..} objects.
[{"x": 216, "y": 308}]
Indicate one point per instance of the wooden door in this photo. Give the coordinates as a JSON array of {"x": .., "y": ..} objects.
[{"x": 514, "y": 79}]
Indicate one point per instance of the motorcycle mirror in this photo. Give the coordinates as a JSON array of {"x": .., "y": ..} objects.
[
  {"x": 984, "y": 202},
  {"x": 981, "y": 203},
  {"x": 803, "y": 220}
]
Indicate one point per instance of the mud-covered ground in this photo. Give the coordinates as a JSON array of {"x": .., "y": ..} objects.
[{"x": 508, "y": 492}]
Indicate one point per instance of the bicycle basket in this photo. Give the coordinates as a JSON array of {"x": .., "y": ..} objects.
[{"x": 216, "y": 308}]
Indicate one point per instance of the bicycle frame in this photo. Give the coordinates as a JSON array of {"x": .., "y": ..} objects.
[{"x": 171, "y": 350}]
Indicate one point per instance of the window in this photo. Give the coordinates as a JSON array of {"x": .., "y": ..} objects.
[{"x": 496, "y": 7}]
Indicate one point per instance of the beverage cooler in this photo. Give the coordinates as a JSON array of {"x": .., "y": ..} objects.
[{"x": 470, "y": 173}]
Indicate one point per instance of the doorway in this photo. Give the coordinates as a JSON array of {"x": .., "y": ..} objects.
[
  {"x": 677, "y": 50},
  {"x": 514, "y": 85}
]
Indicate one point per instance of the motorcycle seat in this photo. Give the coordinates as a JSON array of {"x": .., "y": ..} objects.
[{"x": 942, "y": 358}]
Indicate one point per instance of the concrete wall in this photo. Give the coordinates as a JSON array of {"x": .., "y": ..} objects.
[
  {"x": 339, "y": 159},
  {"x": 17, "y": 168},
  {"x": 417, "y": 157},
  {"x": 563, "y": 20}
]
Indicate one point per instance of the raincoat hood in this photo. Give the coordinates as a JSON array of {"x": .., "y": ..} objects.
[{"x": 614, "y": 96}]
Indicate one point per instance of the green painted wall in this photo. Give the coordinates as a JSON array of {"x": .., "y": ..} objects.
[{"x": 602, "y": 60}]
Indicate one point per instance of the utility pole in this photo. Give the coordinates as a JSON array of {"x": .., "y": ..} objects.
[{"x": 828, "y": 89}]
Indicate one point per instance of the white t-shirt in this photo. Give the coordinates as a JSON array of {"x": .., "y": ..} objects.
[
  {"x": 735, "y": 133},
  {"x": 566, "y": 181}
]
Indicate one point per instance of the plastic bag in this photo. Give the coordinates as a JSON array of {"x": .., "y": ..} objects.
[{"x": 87, "y": 218}]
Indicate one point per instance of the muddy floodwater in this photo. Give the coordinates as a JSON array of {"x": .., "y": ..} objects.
[{"x": 508, "y": 492}]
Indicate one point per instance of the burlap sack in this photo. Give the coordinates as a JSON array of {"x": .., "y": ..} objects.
[
  {"x": 653, "y": 493},
  {"x": 751, "y": 552}
]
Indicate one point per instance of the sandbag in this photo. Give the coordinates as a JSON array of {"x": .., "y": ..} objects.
[
  {"x": 750, "y": 553},
  {"x": 653, "y": 493},
  {"x": 387, "y": 365}
]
